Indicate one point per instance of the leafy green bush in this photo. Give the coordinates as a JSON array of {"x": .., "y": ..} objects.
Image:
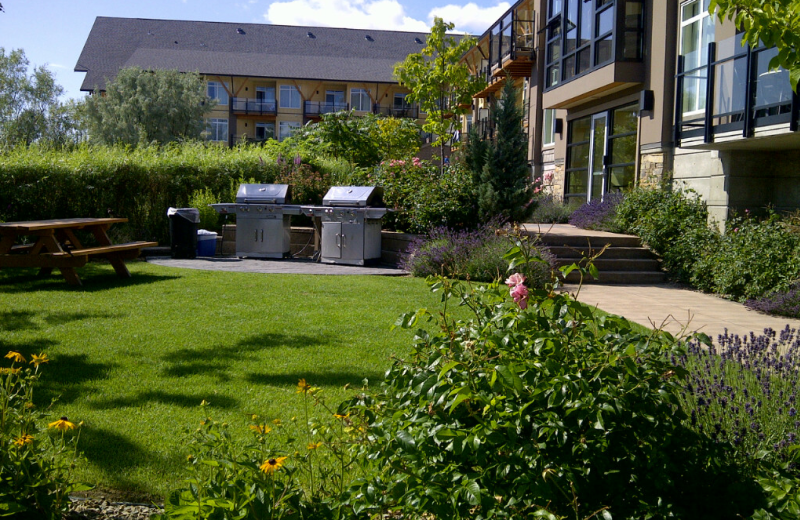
[
  {"x": 209, "y": 218},
  {"x": 35, "y": 465},
  {"x": 423, "y": 197},
  {"x": 549, "y": 211},
  {"x": 551, "y": 411}
]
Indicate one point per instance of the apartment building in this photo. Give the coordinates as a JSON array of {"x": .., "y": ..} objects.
[
  {"x": 266, "y": 80},
  {"x": 622, "y": 91}
]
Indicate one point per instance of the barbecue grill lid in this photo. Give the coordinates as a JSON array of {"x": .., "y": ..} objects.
[
  {"x": 264, "y": 194},
  {"x": 358, "y": 196}
]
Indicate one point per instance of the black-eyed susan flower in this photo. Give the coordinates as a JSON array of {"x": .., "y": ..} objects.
[
  {"x": 260, "y": 428},
  {"x": 272, "y": 465},
  {"x": 62, "y": 424},
  {"x": 302, "y": 386},
  {"x": 38, "y": 360},
  {"x": 23, "y": 440},
  {"x": 313, "y": 445},
  {"x": 15, "y": 356}
]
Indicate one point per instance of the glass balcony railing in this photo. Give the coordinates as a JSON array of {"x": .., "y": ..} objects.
[
  {"x": 410, "y": 112},
  {"x": 733, "y": 91},
  {"x": 317, "y": 108},
  {"x": 253, "y": 106}
]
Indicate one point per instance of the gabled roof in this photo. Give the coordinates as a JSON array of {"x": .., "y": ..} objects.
[{"x": 252, "y": 50}]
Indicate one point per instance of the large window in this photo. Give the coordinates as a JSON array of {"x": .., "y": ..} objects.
[
  {"x": 697, "y": 31},
  {"x": 601, "y": 154},
  {"x": 290, "y": 97},
  {"x": 265, "y": 131},
  {"x": 216, "y": 91},
  {"x": 360, "y": 100},
  {"x": 582, "y": 35},
  {"x": 287, "y": 128},
  {"x": 549, "y": 127},
  {"x": 217, "y": 130}
]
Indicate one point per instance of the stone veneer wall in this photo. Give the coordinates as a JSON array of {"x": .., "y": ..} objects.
[{"x": 651, "y": 168}]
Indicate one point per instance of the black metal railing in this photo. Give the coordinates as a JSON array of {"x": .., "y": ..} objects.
[
  {"x": 411, "y": 112},
  {"x": 733, "y": 91},
  {"x": 512, "y": 40},
  {"x": 254, "y": 106},
  {"x": 318, "y": 108}
]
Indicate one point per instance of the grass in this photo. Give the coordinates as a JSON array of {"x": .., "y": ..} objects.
[{"x": 133, "y": 359}]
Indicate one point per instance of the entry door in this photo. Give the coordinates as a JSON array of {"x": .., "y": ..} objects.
[{"x": 598, "y": 144}]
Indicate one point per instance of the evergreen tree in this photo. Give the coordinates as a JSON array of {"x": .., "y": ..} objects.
[
  {"x": 505, "y": 183},
  {"x": 475, "y": 154}
]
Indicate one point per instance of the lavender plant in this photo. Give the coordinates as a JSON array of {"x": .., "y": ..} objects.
[
  {"x": 781, "y": 303},
  {"x": 743, "y": 391},
  {"x": 597, "y": 214}
]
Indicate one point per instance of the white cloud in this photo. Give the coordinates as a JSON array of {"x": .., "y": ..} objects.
[
  {"x": 57, "y": 66},
  {"x": 354, "y": 14},
  {"x": 470, "y": 18}
]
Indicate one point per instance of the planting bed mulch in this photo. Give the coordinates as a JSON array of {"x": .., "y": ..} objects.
[{"x": 102, "y": 509}]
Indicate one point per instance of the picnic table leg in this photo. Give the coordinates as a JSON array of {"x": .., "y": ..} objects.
[
  {"x": 49, "y": 243},
  {"x": 116, "y": 262},
  {"x": 45, "y": 271}
]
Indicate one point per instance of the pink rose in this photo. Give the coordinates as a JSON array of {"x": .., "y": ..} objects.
[
  {"x": 519, "y": 292},
  {"x": 515, "y": 279},
  {"x": 523, "y": 304},
  {"x": 548, "y": 177}
]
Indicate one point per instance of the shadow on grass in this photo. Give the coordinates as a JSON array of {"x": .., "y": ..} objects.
[
  {"x": 94, "y": 276},
  {"x": 65, "y": 377},
  {"x": 316, "y": 378},
  {"x": 116, "y": 455},
  {"x": 12, "y": 321},
  {"x": 217, "y": 360},
  {"x": 167, "y": 398}
]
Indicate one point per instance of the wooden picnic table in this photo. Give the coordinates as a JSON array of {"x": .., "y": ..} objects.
[{"x": 53, "y": 245}]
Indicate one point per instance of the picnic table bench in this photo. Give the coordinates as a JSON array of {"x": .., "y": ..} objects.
[{"x": 55, "y": 246}]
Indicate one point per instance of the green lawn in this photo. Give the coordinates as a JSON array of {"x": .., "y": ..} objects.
[{"x": 134, "y": 358}]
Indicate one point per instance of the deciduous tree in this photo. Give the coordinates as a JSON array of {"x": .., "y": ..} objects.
[
  {"x": 148, "y": 106},
  {"x": 773, "y": 22},
  {"x": 29, "y": 106},
  {"x": 439, "y": 82}
]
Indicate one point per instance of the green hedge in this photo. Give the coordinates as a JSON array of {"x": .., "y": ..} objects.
[{"x": 140, "y": 184}]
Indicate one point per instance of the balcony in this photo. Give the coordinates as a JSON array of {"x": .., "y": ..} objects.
[
  {"x": 260, "y": 107},
  {"x": 410, "y": 112},
  {"x": 315, "y": 109},
  {"x": 734, "y": 98}
]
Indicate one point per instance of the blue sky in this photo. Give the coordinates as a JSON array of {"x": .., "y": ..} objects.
[{"x": 52, "y": 32}]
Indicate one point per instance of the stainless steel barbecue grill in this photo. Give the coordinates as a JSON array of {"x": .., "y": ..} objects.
[
  {"x": 263, "y": 220},
  {"x": 351, "y": 224}
]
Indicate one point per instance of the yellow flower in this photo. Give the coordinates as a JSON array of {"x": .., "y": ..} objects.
[
  {"x": 6, "y": 371},
  {"x": 25, "y": 439},
  {"x": 272, "y": 465},
  {"x": 62, "y": 424},
  {"x": 15, "y": 356},
  {"x": 338, "y": 416},
  {"x": 276, "y": 422},
  {"x": 254, "y": 417},
  {"x": 204, "y": 403},
  {"x": 260, "y": 428},
  {"x": 302, "y": 386},
  {"x": 38, "y": 360},
  {"x": 313, "y": 445}
]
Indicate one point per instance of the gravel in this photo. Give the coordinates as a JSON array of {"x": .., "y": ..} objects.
[{"x": 102, "y": 509}]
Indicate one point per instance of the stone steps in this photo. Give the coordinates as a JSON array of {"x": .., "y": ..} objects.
[{"x": 625, "y": 260}]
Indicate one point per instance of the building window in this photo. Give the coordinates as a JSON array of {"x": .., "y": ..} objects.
[
  {"x": 697, "y": 31},
  {"x": 287, "y": 128},
  {"x": 549, "y": 127},
  {"x": 582, "y": 35},
  {"x": 265, "y": 131},
  {"x": 360, "y": 100},
  {"x": 216, "y": 91},
  {"x": 601, "y": 154},
  {"x": 290, "y": 97},
  {"x": 218, "y": 130}
]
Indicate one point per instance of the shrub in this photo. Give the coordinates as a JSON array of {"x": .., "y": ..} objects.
[
  {"x": 475, "y": 254},
  {"x": 551, "y": 411},
  {"x": 597, "y": 214},
  {"x": 35, "y": 465},
  {"x": 743, "y": 392},
  {"x": 755, "y": 257},
  {"x": 209, "y": 218},
  {"x": 550, "y": 211},
  {"x": 423, "y": 197},
  {"x": 782, "y": 303}
]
